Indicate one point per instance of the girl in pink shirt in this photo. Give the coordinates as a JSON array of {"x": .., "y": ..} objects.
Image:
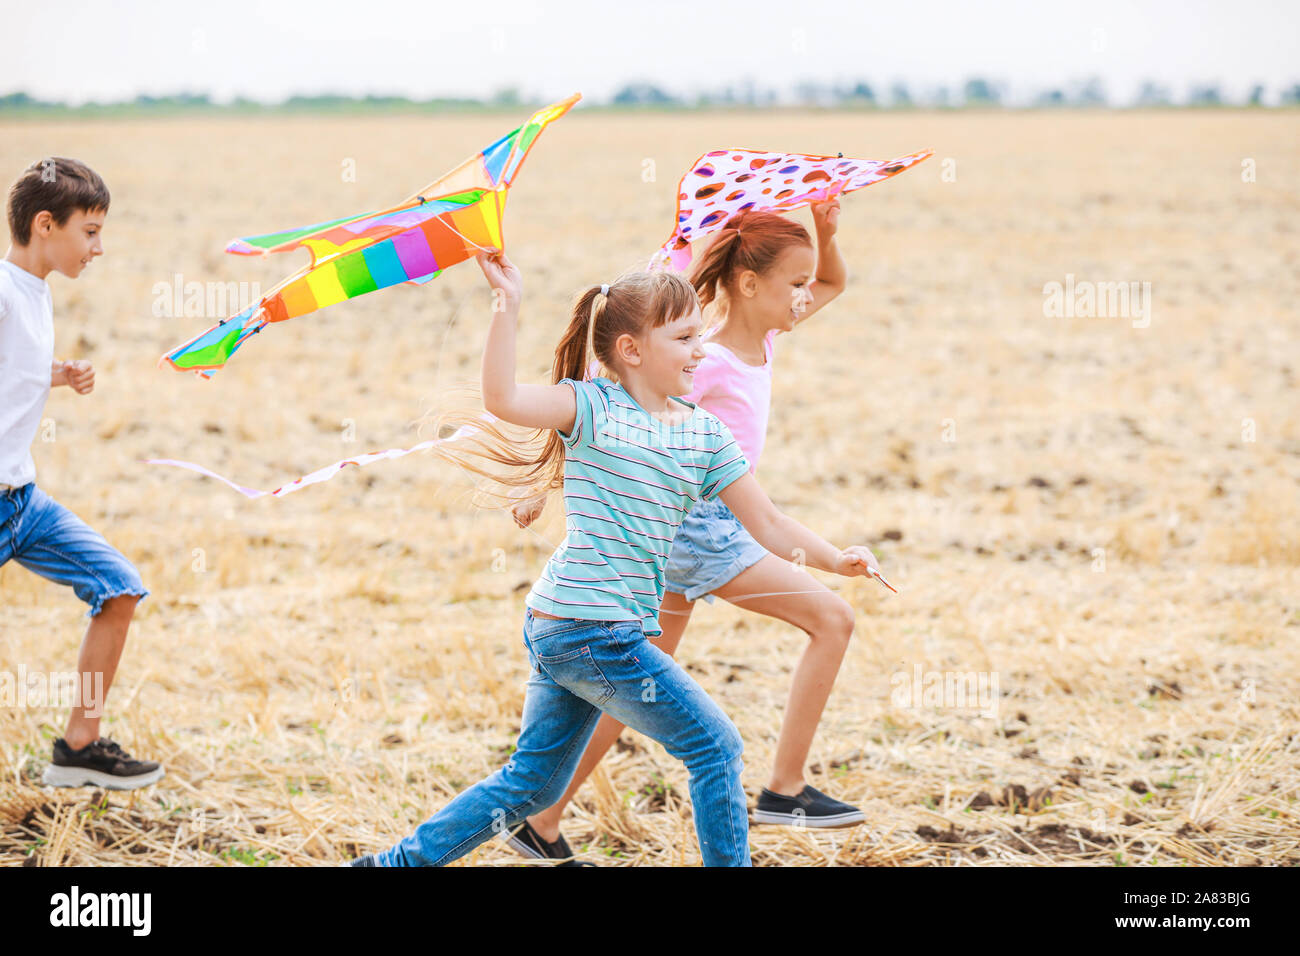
[{"x": 760, "y": 272}]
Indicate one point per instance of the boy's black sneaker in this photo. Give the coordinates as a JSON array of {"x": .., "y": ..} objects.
[
  {"x": 529, "y": 842},
  {"x": 811, "y": 808},
  {"x": 99, "y": 764},
  {"x": 367, "y": 860}
]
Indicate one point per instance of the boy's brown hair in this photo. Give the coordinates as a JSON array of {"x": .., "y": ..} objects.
[{"x": 57, "y": 184}]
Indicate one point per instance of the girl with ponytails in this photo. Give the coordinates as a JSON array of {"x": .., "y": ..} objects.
[
  {"x": 759, "y": 271},
  {"x": 632, "y": 461}
]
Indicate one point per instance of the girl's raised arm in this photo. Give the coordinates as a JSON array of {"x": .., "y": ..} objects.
[
  {"x": 532, "y": 406},
  {"x": 832, "y": 271}
]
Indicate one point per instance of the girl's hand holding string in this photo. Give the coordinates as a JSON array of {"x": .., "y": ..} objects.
[
  {"x": 781, "y": 534},
  {"x": 858, "y": 560}
]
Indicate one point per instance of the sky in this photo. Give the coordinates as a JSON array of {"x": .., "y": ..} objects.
[{"x": 76, "y": 50}]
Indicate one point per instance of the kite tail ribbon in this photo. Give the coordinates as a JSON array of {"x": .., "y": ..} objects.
[{"x": 329, "y": 471}]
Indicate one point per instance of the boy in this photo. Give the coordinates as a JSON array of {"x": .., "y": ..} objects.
[{"x": 56, "y": 213}]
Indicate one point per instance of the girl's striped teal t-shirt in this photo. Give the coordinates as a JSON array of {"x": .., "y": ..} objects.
[{"x": 629, "y": 480}]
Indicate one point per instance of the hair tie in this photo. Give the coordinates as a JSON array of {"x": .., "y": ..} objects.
[{"x": 604, "y": 290}]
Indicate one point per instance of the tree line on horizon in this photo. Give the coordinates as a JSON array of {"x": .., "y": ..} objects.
[{"x": 977, "y": 92}]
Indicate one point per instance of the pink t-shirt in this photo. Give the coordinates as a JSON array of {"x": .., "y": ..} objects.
[{"x": 736, "y": 392}]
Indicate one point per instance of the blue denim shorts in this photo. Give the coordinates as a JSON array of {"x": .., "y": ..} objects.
[
  {"x": 711, "y": 548},
  {"x": 47, "y": 538}
]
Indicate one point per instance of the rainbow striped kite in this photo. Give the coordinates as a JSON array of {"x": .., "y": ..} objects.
[{"x": 441, "y": 225}]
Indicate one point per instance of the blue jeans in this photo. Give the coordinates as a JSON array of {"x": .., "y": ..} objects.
[
  {"x": 580, "y": 668},
  {"x": 47, "y": 538}
]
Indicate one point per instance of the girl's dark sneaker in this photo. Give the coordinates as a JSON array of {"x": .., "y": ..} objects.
[
  {"x": 99, "y": 764},
  {"x": 811, "y": 808},
  {"x": 529, "y": 842}
]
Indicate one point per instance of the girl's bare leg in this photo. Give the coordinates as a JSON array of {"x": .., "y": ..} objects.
[
  {"x": 778, "y": 589},
  {"x": 674, "y": 614}
]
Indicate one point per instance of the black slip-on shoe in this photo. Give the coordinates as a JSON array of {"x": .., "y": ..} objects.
[
  {"x": 367, "y": 860},
  {"x": 811, "y": 808},
  {"x": 99, "y": 764},
  {"x": 527, "y": 841}
]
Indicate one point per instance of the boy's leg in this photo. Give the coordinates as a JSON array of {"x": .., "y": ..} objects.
[
  {"x": 51, "y": 541},
  {"x": 101, "y": 649},
  {"x": 652, "y": 694},
  {"x": 555, "y": 728}
]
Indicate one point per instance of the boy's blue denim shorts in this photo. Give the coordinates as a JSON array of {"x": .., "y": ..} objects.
[
  {"x": 711, "y": 548},
  {"x": 47, "y": 538}
]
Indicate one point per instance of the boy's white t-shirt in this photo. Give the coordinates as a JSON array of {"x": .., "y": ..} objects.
[{"x": 26, "y": 354}]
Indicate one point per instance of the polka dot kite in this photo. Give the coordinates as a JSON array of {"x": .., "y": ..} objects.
[{"x": 725, "y": 181}]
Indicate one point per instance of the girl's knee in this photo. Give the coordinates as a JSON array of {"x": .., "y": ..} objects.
[
  {"x": 716, "y": 741},
  {"x": 548, "y": 796},
  {"x": 519, "y": 776},
  {"x": 534, "y": 785},
  {"x": 730, "y": 746},
  {"x": 836, "y": 621}
]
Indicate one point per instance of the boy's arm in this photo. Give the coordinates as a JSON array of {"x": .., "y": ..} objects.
[
  {"x": 58, "y": 373},
  {"x": 533, "y": 406},
  {"x": 784, "y": 536}
]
